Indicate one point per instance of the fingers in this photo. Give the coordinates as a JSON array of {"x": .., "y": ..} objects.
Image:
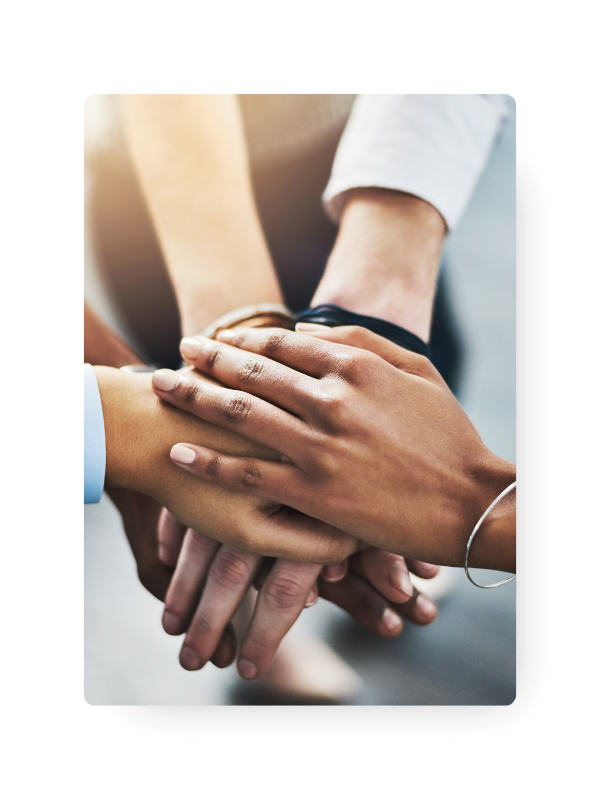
[
  {"x": 387, "y": 572},
  {"x": 418, "y": 608},
  {"x": 280, "y": 601},
  {"x": 231, "y": 409},
  {"x": 281, "y": 532},
  {"x": 334, "y": 572},
  {"x": 251, "y": 373},
  {"x": 269, "y": 479},
  {"x": 184, "y": 590},
  {"x": 230, "y": 575},
  {"x": 364, "y": 603},
  {"x": 303, "y": 353},
  {"x": 395, "y": 355},
  {"x": 422, "y": 569},
  {"x": 226, "y": 650},
  {"x": 170, "y": 537}
]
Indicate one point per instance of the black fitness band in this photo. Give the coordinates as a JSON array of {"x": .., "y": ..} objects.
[{"x": 335, "y": 317}]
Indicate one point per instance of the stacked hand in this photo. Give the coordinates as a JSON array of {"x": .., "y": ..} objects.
[
  {"x": 370, "y": 440},
  {"x": 211, "y": 579}
]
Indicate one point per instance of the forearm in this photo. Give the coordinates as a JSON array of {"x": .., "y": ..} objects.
[
  {"x": 101, "y": 345},
  {"x": 386, "y": 258},
  {"x": 191, "y": 159}
]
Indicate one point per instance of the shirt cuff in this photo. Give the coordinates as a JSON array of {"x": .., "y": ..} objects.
[
  {"x": 432, "y": 146},
  {"x": 94, "y": 443}
]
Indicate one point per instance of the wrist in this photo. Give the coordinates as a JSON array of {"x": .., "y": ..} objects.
[
  {"x": 385, "y": 260},
  {"x": 494, "y": 547},
  {"x": 127, "y": 402}
]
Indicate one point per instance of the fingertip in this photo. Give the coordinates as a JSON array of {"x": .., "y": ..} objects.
[
  {"x": 426, "y": 610},
  {"x": 171, "y": 624},
  {"x": 332, "y": 573},
  {"x": 392, "y": 623}
]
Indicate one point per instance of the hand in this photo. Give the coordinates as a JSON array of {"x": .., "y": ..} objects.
[
  {"x": 140, "y": 516},
  {"x": 371, "y": 442},
  {"x": 140, "y": 431},
  {"x": 210, "y": 581}
]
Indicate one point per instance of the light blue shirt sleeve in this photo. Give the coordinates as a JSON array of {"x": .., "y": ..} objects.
[{"x": 94, "y": 443}]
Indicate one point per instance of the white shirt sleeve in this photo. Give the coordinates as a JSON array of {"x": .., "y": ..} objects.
[{"x": 434, "y": 146}]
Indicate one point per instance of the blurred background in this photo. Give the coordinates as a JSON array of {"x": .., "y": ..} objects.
[{"x": 467, "y": 656}]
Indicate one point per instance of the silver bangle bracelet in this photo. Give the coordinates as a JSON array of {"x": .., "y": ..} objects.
[
  {"x": 472, "y": 536},
  {"x": 140, "y": 367}
]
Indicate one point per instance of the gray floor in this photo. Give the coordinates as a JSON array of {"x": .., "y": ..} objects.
[{"x": 468, "y": 655}]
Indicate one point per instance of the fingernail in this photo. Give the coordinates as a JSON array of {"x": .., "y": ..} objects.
[
  {"x": 165, "y": 379},
  {"x": 310, "y": 326},
  {"x": 390, "y": 620},
  {"x": 312, "y": 597},
  {"x": 171, "y": 624},
  {"x": 189, "y": 348},
  {"x": 189, "y": 659},
  {"x": 247, "y": 669},
  {"x": 183, "y": 454},
  {"x": 400, "y": 579},
  {"x": 425, "y": 606},
  {"x": 333, "y": 572}
]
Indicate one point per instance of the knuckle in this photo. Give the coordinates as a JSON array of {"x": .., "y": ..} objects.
[
  {"x": 211, "y": 356},
  {"x": 201, "y": 626},
  {"x": 231, "y": 569},
  {"x": 284, "y": 592},
  {"x": 251, "y": 370},
  {"x": 200, "y": 544},
  {"x": 213, "y": 466},
  {"x": 274, "y": 342},
  {"x": 250, "y": 475},
  {"x": 236, "y": 407},
  {"x": 190, "y": 393}
]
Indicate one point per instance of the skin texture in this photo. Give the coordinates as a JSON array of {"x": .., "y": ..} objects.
[
  {"x": 371, "y": 440},
  {"x": 139, "y": 434},
  {"x": 156, "y": 538},
  {"x": 190, "y": 156},
  {"x": 386, "y": 258}
]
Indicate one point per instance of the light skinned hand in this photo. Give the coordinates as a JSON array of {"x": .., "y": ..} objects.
[
  {"x": 370, "y": 437},
  {"x": 210, "y": 581}
]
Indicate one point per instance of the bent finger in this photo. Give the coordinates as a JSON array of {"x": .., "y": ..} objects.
[
  {"x": 366, "y": 605},
  {"x": 386, "y": 571},
  {"x": 422, "y": 569}
]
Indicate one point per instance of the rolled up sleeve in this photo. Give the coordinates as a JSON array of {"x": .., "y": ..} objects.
[
  {"x": 94, "y": 458},
  {"x": 431, "y": 146}
]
